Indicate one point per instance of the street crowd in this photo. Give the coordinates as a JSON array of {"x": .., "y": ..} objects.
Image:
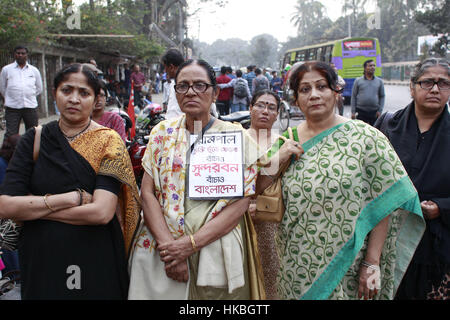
[{"x": 334, "y": 208}]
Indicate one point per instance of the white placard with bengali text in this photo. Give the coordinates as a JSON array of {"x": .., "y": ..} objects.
[{"x": 216, "y": 166}]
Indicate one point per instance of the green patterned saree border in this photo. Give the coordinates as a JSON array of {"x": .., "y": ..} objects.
[
  {"x": 370, "y": 216},
  {"x": 315, "y": 140}
]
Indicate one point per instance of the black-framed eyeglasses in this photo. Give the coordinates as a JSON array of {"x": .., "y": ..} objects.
[
  {"x": 198, "y": 87},
  {"x": 429, "y": 83}
]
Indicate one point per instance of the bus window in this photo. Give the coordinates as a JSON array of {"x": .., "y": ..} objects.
[
  {"x": 319, "y": 55},
  {"x": 300, "y": 56},
  {"x": 327, "y": 54},
  {"x": 312, "y": 54},
  {"x": 306, "y": 55}
]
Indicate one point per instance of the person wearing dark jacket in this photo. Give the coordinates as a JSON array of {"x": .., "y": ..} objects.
[{"x": 420, "y": 134}]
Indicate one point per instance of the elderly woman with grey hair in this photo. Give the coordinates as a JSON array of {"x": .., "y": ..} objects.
[{"x": 420, "y": 134}]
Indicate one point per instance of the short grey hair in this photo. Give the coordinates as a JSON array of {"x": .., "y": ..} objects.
[{"x": 422, "y": 67}]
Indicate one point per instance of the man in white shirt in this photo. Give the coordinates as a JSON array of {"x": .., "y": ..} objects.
[
  {"x": 171, "y": 60},
  {"x": 20, "y": 84}
]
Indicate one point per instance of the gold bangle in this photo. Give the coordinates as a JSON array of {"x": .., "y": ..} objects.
[
  {"x": 46, "y": 202},
  {"x": 194, "y": 246},
  {"x": 80, "y": 192}
]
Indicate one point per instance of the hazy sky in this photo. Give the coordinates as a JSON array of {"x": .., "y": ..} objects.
[{"x": 245, "y": 19}]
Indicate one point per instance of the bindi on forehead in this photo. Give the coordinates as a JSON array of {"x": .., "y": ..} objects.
[{"x": 266, "y": 102}]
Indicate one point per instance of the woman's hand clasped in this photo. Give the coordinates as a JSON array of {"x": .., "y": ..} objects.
[
  {"x": 179, "y": 273},
  {"x": 175, "y": 254}
]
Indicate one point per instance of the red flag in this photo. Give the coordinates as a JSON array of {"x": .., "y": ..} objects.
[{"x": 130, "y": 112}]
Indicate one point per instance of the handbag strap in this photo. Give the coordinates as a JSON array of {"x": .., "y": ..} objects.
[
  {"x": 37, "y": 142},
  {"x": 287, "y": 163},
  {"x": 291, "y": 134},
  {"x": 264, "y": 160},
  {"x": 285, "y": 166}
]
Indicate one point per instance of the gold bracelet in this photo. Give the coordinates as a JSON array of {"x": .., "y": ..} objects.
[
  {"x": 370, "y": 266},
  {"x": 46, "y": 202},
  {"x": 80, "y": 192},
  {"x": 194, "y": 246}
]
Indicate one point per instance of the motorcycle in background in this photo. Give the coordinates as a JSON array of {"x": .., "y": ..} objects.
[
  {"x": 113, "y": 105},
  {"x": 148, "y": 118},
  {"x": 243, "y": 117}
]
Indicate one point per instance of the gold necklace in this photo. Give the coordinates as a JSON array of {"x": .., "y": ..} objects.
[{"x": 70, "y": 138}]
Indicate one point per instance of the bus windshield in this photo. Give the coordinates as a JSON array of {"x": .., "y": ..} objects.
[{"x": 358, "y": 45}]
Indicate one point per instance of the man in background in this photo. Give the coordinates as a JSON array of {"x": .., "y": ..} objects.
[
  {"x": 368, "y": 95},
  {"x": 225, "y": 95},
  {"x": 341, "y": 86},
  {"x": 139, "y": 80},
  {"x": 20, "y": 84},
  {"x": 249, "y": 76},
  {"x": 277, "y": 83},
  {"x": 260, "y": 82},
  {"x": 171, "y": 61},
  {"x": 241, "y": 92}
]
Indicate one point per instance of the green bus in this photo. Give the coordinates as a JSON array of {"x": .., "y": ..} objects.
[{"x": 347, "y": 54}]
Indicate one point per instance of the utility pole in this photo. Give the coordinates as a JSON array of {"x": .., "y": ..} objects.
[{"x": 349, "y": 26}]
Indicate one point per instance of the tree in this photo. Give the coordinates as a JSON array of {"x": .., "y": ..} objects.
[
  {"x": 264, "y": 49},
  {"x": 437, "y": 20},
  {"x": 21, "y": 22},
  {"x": 311, "y": 20},
  {"x": 30, "y": 21},
  {"x": 354, "y": 8}
]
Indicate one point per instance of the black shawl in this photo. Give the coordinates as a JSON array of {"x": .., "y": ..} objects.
[{"x": 426, "y": 158}]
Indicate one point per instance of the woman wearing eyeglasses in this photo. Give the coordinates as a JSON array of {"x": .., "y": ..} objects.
[
  {"x": 186, "y": 248},
  {"x": 420, "y": 134},
  {"x": 264, "y": 109},
  {"x": 352, "y": 217}
]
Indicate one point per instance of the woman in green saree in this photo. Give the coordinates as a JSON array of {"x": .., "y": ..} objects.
[{"x": 353, "y": 217}]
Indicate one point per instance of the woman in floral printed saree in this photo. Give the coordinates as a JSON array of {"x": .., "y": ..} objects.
[
  {"x": 353, "y": 217},
  {"x": 193, "y": 249}
]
